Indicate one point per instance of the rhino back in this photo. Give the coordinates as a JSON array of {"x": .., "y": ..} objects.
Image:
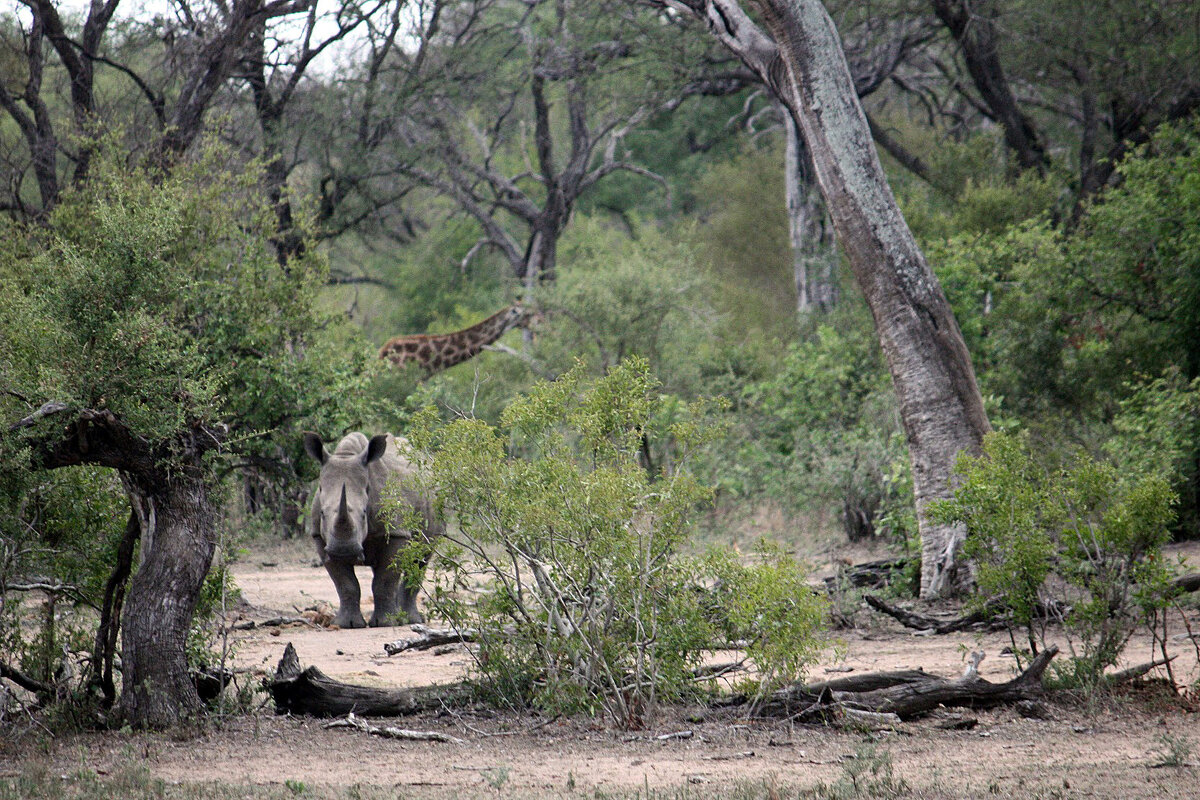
[
  {"x": 351, "y": 444},
  {"x": 395, "y": 466}
]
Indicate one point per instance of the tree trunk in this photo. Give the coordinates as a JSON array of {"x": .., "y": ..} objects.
[
  {"x": 814, "y": 254},
  {"x": 178, "y": 541},
  {"x": 940, "y": 405},
  {"x": 974, "y": 29},
  {"x": 114, "y": 600}
]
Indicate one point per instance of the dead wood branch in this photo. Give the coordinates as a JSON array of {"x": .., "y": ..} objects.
[
  {"x": 907, "y": 695},
  {"x": 982, "y": 619},
  {"x": 53, "y": 407},
  {"x": 273, "y": 622},
  {"x": 710, "y": 672},
  {"x": 1133, "y": 673},
  {"x": 429, "y": 638},
  {"x": 309, "y": 691},
  {"x": 26, "y": 682},
  {"x": 353, "y": 721},
  {"x": 840, "y": 716}
]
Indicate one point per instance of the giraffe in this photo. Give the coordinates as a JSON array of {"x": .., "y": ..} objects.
[{"x": 438, "y": 351}]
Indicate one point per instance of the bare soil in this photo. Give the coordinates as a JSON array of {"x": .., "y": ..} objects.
[{"x": 1112, "y": 749}]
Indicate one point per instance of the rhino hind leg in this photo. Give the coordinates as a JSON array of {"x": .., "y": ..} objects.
[
  {"x": 395, "y": 602},
  {"x": 386, "y": 587},
  {"x": 349, "y": 614},
  {"x": 408, "y": 603},
  {"x": 410, "y": 588}
]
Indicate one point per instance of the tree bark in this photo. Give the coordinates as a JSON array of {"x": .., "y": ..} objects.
[
  {"x": 941, "y": 408},
  {"x": 814, "y": 252},
  {"x": 178, "y": 541},
  {"x": 114, "y": 600}
]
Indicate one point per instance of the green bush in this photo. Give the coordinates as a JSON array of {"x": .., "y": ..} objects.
[
  {"x": 1083, "y": 541},
  {"x": 825, "y": 431},
  {"x": 157, "y": 301},
  {"x": 571, "y": 547}
]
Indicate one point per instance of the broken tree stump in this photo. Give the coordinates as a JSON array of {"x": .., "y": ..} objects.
[{"x": 309, "y": 691}]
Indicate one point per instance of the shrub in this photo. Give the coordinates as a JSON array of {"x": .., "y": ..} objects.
[
  {"x": 1083, "y": 539},
  {"x": 572, "y": 548},
  {"x": 826, "y": 432}
]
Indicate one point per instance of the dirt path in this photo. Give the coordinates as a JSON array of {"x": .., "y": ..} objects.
[{"x": 1104, "y": 753}]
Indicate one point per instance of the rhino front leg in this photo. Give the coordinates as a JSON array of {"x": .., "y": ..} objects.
[
  {"x": 346, "y": 582},
  {"x": 386, "y": 587}
]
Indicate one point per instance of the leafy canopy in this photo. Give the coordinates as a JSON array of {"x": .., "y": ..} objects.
[{"x": 160, "y": 299}]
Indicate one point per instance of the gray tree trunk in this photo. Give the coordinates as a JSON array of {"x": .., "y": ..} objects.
[
  {"x": 814, "y": 251},
  {"x": 940, "y": 405},
  {"x": 178, "y": 541}
]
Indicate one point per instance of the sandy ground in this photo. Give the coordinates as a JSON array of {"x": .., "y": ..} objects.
[{"x": 1106, "y": 752}]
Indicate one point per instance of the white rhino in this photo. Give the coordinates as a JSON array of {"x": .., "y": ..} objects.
[{"x": 349, "y": 528}]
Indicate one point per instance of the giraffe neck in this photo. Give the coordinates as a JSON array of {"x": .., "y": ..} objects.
[
  {"x": 436, "y": 352},
  {"x": 466, "y": 344}
]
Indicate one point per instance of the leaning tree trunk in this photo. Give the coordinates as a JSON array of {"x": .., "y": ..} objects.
[
  {"x": 940, "y": 406},
  {"x": 178, "y": 541}
]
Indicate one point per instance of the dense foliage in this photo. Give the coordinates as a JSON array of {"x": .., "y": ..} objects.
[
  {"x": 399, "y": 168},
  {"x": 154, "y": 302},
  {"x": 568, "y": 560},
  {"x": 1079, "y": 544}
]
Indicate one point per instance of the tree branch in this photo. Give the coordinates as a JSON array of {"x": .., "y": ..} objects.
[{"x": 24, "y": 681}]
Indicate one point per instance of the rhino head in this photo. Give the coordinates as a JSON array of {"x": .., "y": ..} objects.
[{"x": 344, "y": 502}]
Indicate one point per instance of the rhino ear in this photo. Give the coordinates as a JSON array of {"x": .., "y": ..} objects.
[
  {"x": 315, "y": 447},
  {"x": 375, "y": 448}
]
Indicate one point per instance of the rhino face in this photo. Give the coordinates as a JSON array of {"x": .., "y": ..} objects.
[{"x": 344, "y": 500}]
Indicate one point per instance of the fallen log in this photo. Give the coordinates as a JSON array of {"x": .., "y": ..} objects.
[
  {"x": 388, "y": 732},
  {"x": 981, "y": 619},
  {"x": 912, "y": 697},
  {"x": 25, "y": 682},
  {"x": 309, "y": 691},
  {"x": 868, "y": 575},
  {"x": 1187, "y": 583},
  {"x": 1133, "y": 673},
  {"x": 809, "y": 693},
  {"x": 428, "y": 638},
  {"x": 799, "y": 695},
  {"x": 274, "y": 622}
]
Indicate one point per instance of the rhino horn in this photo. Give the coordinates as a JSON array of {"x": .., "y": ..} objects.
[{"x": 343, "y": 515}]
